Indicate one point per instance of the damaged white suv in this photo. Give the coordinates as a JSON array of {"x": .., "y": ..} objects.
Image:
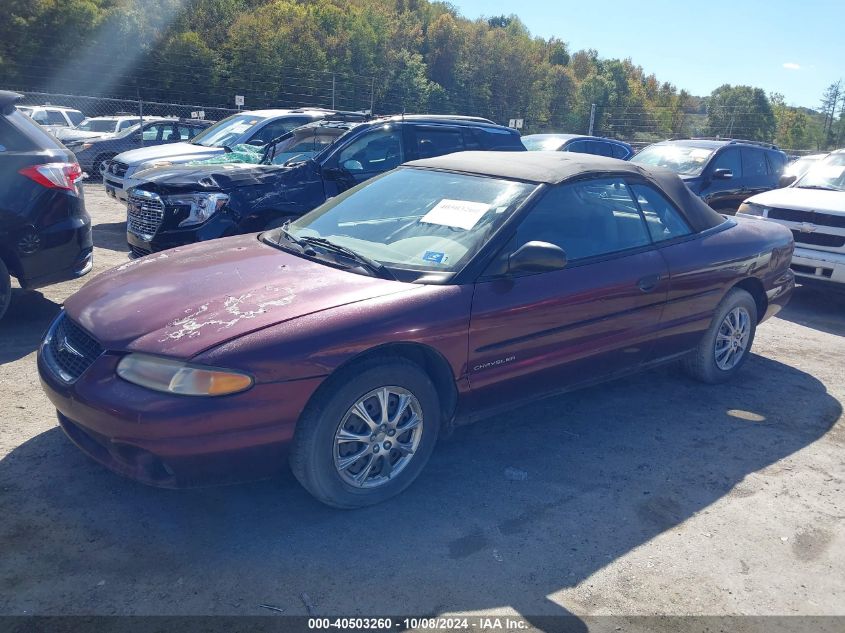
[{"x": 813, "y": 208}]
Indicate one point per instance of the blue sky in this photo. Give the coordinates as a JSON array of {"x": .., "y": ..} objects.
[{"x": 796, "y": 48}]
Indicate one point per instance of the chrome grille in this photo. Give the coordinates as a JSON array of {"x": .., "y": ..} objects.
[
  {"x": 813, "y": 217},
  {"x": 117, "y": 168},
  {"x": 145, "y": 211},
  {"x": 69, "y": 350}
]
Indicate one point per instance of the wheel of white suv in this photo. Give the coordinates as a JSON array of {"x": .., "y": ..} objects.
[
  {"x": 727, "y": 342},
  {"x": 368, "y": 435}
]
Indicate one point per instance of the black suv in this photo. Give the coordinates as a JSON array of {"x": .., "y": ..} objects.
[
  {"x": 45, "y": 233},
  {"x": 723, "y": 172},
  {"x": 185, "y": 204}
]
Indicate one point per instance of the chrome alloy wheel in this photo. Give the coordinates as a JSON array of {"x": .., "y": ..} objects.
[
  {"x": 378, "y": 437},
  {"x": 732, "y": 338}
]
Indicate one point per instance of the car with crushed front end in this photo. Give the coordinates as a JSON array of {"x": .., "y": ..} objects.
[
  {"x": 180, "y": 204},
  {"x": 439, "y": 292}
]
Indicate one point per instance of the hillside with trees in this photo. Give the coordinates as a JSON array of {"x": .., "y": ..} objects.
[{"x": 393, "y": 55}]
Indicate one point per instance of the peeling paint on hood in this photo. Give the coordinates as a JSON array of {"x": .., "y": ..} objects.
[{"x": 189, "y": 299}]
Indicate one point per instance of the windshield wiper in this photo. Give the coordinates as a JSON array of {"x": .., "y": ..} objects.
[
  {"x": 379, "y": 269},
  {"x": 821, "y": 187}
]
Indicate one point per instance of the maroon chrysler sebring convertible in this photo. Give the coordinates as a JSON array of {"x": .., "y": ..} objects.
[{"x": 443, "y": 290}]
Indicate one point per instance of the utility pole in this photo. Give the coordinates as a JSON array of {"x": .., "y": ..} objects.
[
  {"x": 592, "y": 118},
  {"x": 372, "y": 94}
]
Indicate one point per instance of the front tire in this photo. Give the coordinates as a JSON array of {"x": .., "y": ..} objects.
[
  {"x": 368, "y": 434},
  {"x": 727, "y": 343}
]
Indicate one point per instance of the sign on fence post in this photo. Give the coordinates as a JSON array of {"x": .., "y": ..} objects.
[
  {"x": 516, "y": 123},
  {"x": 239, "y": 101}
]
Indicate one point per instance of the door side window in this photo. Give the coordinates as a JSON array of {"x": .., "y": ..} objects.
[
  {"x": 40, "y": 116},
  {"x": 599, "y": 148},
  {"x": 586, "y": 219},
  {"x": 754, "y": 162},
  {"x": 577, "y": 146},
  {"x": 729, "y": 159},
  {"x": 75, "y": 117},
  {"x": 662, "y": 218},
  {"x": 777, "y": 163},
  {"x": 437, "y": 141},
  {"x": 152, "y": 132},
  {"x": 374, "y": 152},
  {"x": 620, "y": 151},
  {"x": 54, "y": 117}
]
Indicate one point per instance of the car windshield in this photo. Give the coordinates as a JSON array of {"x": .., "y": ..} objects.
[
  {"x": 97, "y": 125},
  {"x": 682, "y": 159},
  {"x": 826, "y": 174},
  {"x": 800, "y": 167},
  {"x": 226, "y": 132},
  {"x": 541, "y": 143},
  {"x": 414, "y": 219}
]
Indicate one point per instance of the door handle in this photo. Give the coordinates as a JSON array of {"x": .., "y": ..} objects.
[{"x": 647, "y": 284}]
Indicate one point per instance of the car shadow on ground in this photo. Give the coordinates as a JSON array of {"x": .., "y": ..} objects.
[
  {"x": 111, "y": 235},
  {"x": 607, "y": 470},
  {"x": 24, "y": 324},
  {"x": 821, "y": 310}
]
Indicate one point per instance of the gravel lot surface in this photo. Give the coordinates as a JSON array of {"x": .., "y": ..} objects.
[{"x": 650, "y": 495}]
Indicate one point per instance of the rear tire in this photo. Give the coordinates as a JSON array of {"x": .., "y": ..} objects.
[
  {"x": 726, "y": 345},
  {"x": 5, "y": 288},
  {"x": 346, "y": 472}
]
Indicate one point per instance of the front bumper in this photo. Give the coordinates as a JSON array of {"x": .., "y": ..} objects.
[
  {"x": 117, "y": 186},
  {"x": 219, "y": 225},
  {"x": 176, "y": 441},
  {"x": 819, "y": 268},
  {"x": 66, "y": 251}
]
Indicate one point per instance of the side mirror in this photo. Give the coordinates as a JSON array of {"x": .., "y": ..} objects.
[
  {"x": 536, "y": 257},
  {"x": 786, "y": 180},
  {"x": 722, "y": 174},
  {"x": 352, "y": 165}
]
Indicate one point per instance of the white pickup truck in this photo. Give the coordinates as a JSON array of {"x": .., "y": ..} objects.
[{"x": 813, "y": 208}]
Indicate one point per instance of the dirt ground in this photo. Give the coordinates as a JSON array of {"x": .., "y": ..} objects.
[{"x": 650, "y": 495}]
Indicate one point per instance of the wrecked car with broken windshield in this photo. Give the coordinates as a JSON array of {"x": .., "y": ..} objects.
[
  {"x": 444, "y": 290},
  {"x": 182, "y": 204}
]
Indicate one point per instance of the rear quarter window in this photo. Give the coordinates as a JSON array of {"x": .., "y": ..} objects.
[
  {"x": 19, "y": 133},
  {"x": 499, "y": 139}
]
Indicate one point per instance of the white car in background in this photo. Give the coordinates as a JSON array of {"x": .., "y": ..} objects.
[
  {"x": 813, "y": 208},
  {"x": 97, "y": 127},
  {"x": 52, "y": 117}
]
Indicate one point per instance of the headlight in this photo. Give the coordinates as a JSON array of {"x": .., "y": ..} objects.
[
  {"x": 202, "y": 206},
  {"x": 185, "y": 379},
  {"x": 750, "y": 208},
  {"x": 157, "y": 163}
]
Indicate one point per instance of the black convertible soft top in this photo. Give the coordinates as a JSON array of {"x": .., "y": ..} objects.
[{"x": 553, "y": 168}]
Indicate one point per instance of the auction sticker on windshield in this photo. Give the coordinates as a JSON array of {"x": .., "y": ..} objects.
[{"x": 460, "y": 214}]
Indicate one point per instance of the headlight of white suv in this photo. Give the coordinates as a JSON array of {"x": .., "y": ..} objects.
[
  {"x": 202, "y": 206},
  {"x": 177, "y": 377},
  {"x": 751, "y": 208}
]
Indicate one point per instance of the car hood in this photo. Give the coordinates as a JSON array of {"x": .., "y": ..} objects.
[
  {"x": 802, "y": 199},
  {"x": 223, "y": 176},
  {"x": 168, "y": 151},
  {"x": 184, "y": 301},
  {"x": 79, "y": 135}
]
